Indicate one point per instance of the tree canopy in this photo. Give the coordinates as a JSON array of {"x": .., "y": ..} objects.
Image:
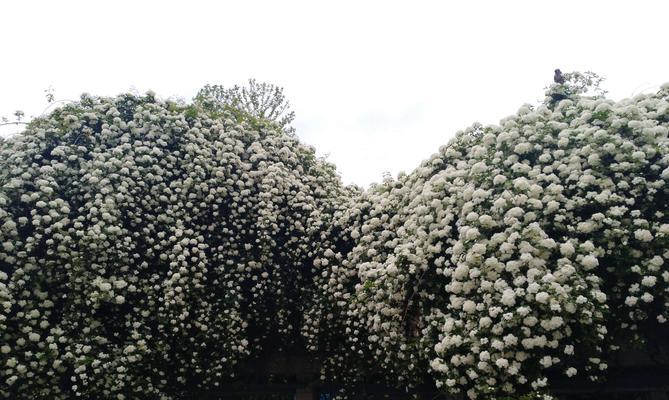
[{"x": 259, "y": 100}]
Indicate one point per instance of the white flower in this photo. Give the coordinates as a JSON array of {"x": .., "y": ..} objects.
[
  {"x": 600, "y": 297},
  {"x": 546, "y": 361},
  {"x": 589, "y": 262},
  {"x": 631, "y": 301},
  {"x": 638, "y": 155},
  {"x": 460, "y": 272},
  {"x": 655, "y": 263},
  {"x": 664, "y": 228},
  {"x": 508, "y": 297},
  {"x": 649, "y": 281},
  {"x": 567, "y": 249},
  {"x": 521, "y": 184},
  {"x": 468, "y": 306},
  {"x": 586, "y": 227},
  {"x": 471, "y": 234},
  {"x": 515, "y": 212},
  {"x": 522, "y": 148},
  {"x": 643, "y": 235},
  {"x": 542, "y": 297},
  {"x": 499, "y": 179}
]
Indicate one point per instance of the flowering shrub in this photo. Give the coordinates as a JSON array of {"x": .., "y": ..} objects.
[
  {"x": 517, "y": 252},
  {"x": 148, "y": 248}
]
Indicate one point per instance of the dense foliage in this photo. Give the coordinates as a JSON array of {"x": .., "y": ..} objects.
[
  {"x": 149, "y": 248},
  {"x": 534, "y": 247}
]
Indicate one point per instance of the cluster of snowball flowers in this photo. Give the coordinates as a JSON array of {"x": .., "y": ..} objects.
[
  {"x": 519, "y": 252},
  {"x": 148, "y": 249}
]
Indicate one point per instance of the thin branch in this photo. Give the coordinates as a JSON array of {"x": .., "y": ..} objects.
[
  {"x": 14, "y": 123},
  {"x": 53, "y": 103}
]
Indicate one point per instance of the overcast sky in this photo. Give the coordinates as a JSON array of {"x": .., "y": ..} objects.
[{"x": 378, "y": 86}]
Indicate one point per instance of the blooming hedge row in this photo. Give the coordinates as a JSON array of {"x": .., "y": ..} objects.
[
  {"x": 149, "y": 248},
  {"x": 518, "y": 251}
]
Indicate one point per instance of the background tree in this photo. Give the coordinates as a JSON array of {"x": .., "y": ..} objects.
[
  {"x": 19, "y": 115},
  {"x": 570, "y": 84},
  {"x": 259, "y": 100}
]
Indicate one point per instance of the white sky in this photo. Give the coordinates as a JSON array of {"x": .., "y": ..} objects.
[{"x": 378, "y": 86}]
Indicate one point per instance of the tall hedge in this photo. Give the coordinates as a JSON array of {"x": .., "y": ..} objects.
[
  {"x": 533, "y": 248},
  {"x": 148, "y": 248},
  {"x": 151, "y": 248}
]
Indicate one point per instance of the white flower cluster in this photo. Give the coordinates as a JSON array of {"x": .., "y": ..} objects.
[
  {"x": 146, "y": 248},
  {"x": 517, "y": 252}
]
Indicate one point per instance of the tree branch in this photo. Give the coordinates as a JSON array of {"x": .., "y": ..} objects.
[{"x": 14, "y": 123}]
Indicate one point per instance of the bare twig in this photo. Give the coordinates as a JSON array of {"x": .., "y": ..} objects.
[
  {"x": 14, "y": 123},
  {"x": 54, "y": 103}
]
